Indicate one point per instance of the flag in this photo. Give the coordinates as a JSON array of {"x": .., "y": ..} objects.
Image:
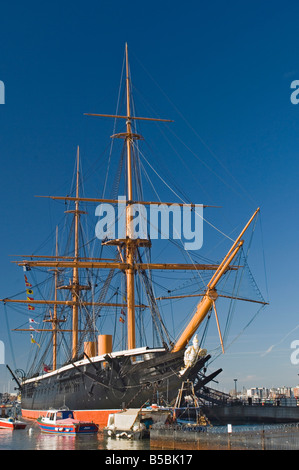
[
  {"x": 46, "y": 368},
  {"x": 27, "y": 284},
  {"x": 33, "y": 341},
  {"x": 123, "y": 312},
  {"x": 31, "y": 328},
  {"x": 121, "y": 319},
  {"x": 32, "y": 321},
  {"x": 29, "y": 292}
]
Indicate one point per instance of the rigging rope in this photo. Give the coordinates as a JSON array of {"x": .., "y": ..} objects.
[
  {"x": 204, "y": 219},
  {"x": 212, "y": 153},
  {"x": 9, "y": 338}
]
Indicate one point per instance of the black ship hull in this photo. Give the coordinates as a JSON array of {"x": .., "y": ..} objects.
[{"x": 95, "y": 387}]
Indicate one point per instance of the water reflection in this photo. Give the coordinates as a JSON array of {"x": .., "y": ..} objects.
[
  {"x": 64, "y": 442},
  {"x": 126, "y": 444},
  {"x": 32, "y": 438}
]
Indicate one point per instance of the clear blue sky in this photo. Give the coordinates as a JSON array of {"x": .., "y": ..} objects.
[{"x": 222, "y": 71}]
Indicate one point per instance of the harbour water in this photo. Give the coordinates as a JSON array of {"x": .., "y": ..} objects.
[
  {"x": 251, "y": 437},
  {"x": 32, "y": 438}
]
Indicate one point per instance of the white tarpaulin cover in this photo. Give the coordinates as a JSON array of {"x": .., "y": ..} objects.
[{"x": 125, "y": 419}]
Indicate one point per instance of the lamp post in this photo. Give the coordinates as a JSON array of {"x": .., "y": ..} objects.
[{"x": 235, "y": 380}]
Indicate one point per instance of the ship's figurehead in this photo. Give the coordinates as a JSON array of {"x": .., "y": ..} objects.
[{"x": 193, "y": 353}]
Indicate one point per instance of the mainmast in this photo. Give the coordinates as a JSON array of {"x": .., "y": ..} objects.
[
  {"x": 130, "y": 245},
  {"x": 75, "y": 286}
]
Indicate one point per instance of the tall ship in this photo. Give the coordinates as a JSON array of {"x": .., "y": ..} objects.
[{"x": 99, "y": 337}]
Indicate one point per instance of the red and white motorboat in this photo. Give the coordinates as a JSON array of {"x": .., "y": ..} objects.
[
  {"x": 8, "y": 418},
  {"x": 11, "y": 423}
]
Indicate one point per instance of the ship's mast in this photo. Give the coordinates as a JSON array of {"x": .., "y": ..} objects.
[
  {"x": 130, "y": 245},
  {"x": 54, "y": 323},
  {"x": 75, "y": 286},
  {"x": 54, "y": 317}
]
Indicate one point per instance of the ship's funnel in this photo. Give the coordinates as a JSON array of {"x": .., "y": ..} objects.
[{"x": 104, "y": 344}]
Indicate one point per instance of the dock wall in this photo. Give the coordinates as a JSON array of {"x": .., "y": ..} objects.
[{"x": 245, "y": 414}]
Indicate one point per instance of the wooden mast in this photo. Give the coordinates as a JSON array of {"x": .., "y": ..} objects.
[
  {"x": 54, "y": 323},
  {"x": 75, "y": 285},
  {"x": 130, "y": 245}
]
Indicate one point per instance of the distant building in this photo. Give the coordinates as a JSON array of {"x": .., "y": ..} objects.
[
  {"x": 258, "y": 393},
  {"x": 262, "y": 394}
]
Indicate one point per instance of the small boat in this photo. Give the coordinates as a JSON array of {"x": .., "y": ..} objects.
[
  {"x": 135, "y": 423},
  {"x": 8, "y": 419},
  {"x": 11, "y": 423},
  {"x": 63, "y": 422}
]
